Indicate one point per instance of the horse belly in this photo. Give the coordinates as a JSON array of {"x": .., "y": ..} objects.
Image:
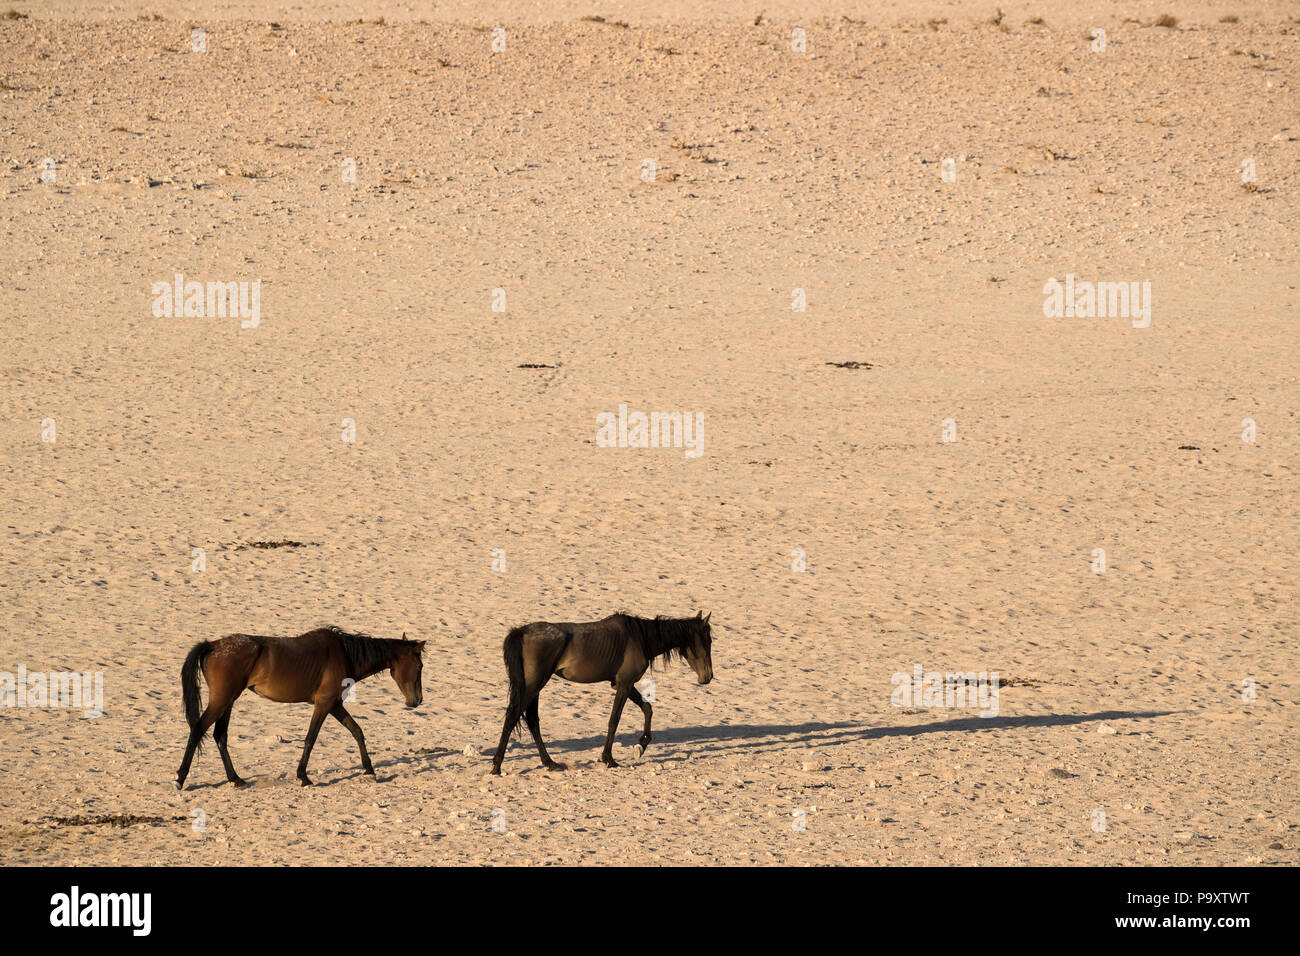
[
  {"x": 586, "y": 662},
  {"x": 282, "y": 678},
  {"x": 581, "y": 669},
  {"x": 279, "y": 695}
]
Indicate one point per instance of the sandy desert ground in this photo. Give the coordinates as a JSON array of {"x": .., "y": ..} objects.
[{"x": 1146, "y": 715}]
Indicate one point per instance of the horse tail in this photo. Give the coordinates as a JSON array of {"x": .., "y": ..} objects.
[
  {"x": 194, "y": 661},
  {"x": 513, "y": 651}
]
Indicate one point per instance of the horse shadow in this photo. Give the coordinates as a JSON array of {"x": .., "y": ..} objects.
[
  {"x": 411, "y": 764},
  {"x": 758, "y": 738}
]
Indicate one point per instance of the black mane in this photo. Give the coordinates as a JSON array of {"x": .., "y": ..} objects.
[
  {"x": 367, "y": 654},
  {"x": 665, "y": 636}
]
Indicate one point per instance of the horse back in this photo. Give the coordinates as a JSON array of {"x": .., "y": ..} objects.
[
  {"x": 292, "y": 669},
  {"x": 236, "y": 652}
]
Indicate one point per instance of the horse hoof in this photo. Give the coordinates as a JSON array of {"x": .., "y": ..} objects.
[
  {"x": 180, "y": 784},
  {"x": 610, "y": 762},
  {"x": 556, "y": 765},
  {"x": 304, "y": 781},
  {"x": 495, "y": 771},
  {"x": 239, "y": 782},
  {"x": 637, "y": 751}
]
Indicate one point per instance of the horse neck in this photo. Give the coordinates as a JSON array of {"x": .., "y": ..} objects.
[
  {"x": 383, "y": 662},
  {"x": 665, "y": 639}
]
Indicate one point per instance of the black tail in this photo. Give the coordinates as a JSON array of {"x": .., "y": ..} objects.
[
  {"x": 513, "y": 651},
  {"x": 190, "y": 682}
]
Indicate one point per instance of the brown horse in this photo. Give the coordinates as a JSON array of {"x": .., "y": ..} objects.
[
  {"x": 618, "y": 649},
  {"x": 320, "y": 666}
]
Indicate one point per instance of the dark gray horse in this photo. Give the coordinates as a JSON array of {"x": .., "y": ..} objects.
[{"x": 617, "y": 649}]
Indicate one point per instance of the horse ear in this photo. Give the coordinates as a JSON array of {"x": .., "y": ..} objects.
[
  {"x": 699, "y": 614},
  {"x": 707, "y": 616},
  {"x": 403, "y": 635}
]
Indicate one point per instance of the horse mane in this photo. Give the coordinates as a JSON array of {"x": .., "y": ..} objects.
[
  {"x": 662, "y": 636},
  {"x": 366, "y": 653}
]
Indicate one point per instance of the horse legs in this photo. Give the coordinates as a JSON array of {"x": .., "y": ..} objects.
[
  {"x": 344, "y": 718},
  {"x": 224, "y": 687},
  {"x": 620, "y": 698},
  {"x": 196, "y": 735},
  {"x": 635, "y": 696},
  {"x": 317, "y": 718},
  {"x": 219, "y": 735},
  {"x": 535, "y": 725},
  {"x": 512, "y": 720}
]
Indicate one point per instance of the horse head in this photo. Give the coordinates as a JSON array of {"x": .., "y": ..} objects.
[
  {"x": 408, "y": 666},
  {"x": 699, "y": 650}
]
